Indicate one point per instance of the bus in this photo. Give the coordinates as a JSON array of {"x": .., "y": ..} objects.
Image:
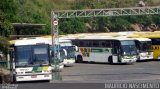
[
  {"x": 69, "y": 51},
  {"x": 144, "y": 47},
  {"x": 30, "y": 60},
  {"x": 155, "y": 37},
  {"x": 105, "y": 49}
]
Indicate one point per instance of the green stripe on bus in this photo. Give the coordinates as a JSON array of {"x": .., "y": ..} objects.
[
  {"x": 85, "y": 50},
  {"x": 37, "y": 69},
  {"x": 100, "y": 50}
]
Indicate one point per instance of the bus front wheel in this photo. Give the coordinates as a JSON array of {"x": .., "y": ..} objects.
[{"x": 79, "y": 59}]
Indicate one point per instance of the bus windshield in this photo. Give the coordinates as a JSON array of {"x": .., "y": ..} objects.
[
  {"x": 146, "y": 46},
  {"x": 70, "y": 51},
  {"x": 40, "y": 55},
  {"x": 69, "y": 48},
  {"x": 31, "y": 55},
  {"x": 128, "y": 47}
]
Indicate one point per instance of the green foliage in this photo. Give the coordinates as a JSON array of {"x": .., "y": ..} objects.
[
  {"x": 74, "y": 25},
  {"x": 4, "y": 45},
  {"x": 9, "y": 8},
  {"x": 156, "y": 19},
  {"x": 5, "y": 25},
  {"x": 38, "y": 11},
  {"x": 102, "y": 22},
  {"x": 119, "y": 24}
]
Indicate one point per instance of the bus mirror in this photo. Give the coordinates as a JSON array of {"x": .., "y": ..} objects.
[
  {"x": 51, "y": 53},
  {"x": 75, "y": 48},
  {"x": 65, "y": 52}
]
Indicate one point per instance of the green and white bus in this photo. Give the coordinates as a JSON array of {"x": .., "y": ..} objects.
[
  {"x": 105, "y": 49},
  {"x": 30, "y": 60},
  {"x": 144, "y": 46}
]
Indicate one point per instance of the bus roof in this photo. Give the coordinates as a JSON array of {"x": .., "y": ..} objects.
[
  {"x": 145, "y": 35},
  {"x": 102, "y": 38},
  {"x": 142, "y": 39},
  {"x": 31, "y": 41}
]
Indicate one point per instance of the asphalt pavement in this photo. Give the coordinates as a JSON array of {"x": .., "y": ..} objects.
[{"x": 97, "y": 75}]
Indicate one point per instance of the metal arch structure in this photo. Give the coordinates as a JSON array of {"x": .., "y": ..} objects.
[
  {"x": 95, "y": 13},
  {"x": 108, "y": 12}
]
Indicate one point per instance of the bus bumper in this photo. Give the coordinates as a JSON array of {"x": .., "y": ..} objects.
[
  {"x": 145, "y": 58},
  {"x": 69, "y": 62},
  {"x": 20, "y": 78},
  {"x": 129, "y": 60}
]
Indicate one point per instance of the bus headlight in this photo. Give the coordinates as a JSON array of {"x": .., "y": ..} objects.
[{"x": 19, "y": 72}]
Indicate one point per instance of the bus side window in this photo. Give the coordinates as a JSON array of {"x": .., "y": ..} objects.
[
  {"x": 86, "y": 43},
  {"x": 102, "y": 44},
  {"x": 107, "y": 44},
  {"x": 95, "y": 44},
  {"x": 90, "y": 43},
  {"x": 81, "y": 43},
  {"x": 75, "y": 42}
]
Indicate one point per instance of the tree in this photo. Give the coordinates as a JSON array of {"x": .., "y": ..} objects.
[
  {"x": 119, "y": 24},
  {"x": 9, "y": 8},
  {"x": 7, "y": 15},
  {"x": 5, "y": 26},
  {"x": 102, "y": 23},
  {"x": 70, "y": 26},
  {"x": 4, "y": 45}
]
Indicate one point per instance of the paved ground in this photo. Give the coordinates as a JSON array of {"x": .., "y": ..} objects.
[
  {"x": 95, "y": 75},
  {"x": 101, "y": 73}
]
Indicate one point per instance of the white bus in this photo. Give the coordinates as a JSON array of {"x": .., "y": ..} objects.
[
  {"x": 69, "y": 49},
  {"x": 105, "y": 49},
  {"x": 144, "y": 46},
  {"x": 31, "y": 60}
]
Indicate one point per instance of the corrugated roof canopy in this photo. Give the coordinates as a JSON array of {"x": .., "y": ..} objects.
[{"x": 21, "y": 26}]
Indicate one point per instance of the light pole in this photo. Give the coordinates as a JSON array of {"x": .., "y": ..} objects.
[{"x": 55, "y": 44}]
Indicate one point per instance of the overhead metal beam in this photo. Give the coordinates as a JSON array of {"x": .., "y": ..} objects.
[{"x": 107, "y": 12}]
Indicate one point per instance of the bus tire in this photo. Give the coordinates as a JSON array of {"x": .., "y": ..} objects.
[
  {"x": 79, "y": 59},
  {"x": 1, "y": 80},
  {"x": 110, "y": 60}
]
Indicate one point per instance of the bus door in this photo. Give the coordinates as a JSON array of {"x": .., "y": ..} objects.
[{"x": 116, "y": 51}]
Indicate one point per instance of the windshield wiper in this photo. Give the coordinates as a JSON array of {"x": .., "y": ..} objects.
[
  {"x": 23, "y": 65},
  {"x": 40, "y": 62}
]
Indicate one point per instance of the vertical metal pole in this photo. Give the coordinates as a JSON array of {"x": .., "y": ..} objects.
[
  {"x": 55, "y": 44},
  {"x": 52, "y": 29}
]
